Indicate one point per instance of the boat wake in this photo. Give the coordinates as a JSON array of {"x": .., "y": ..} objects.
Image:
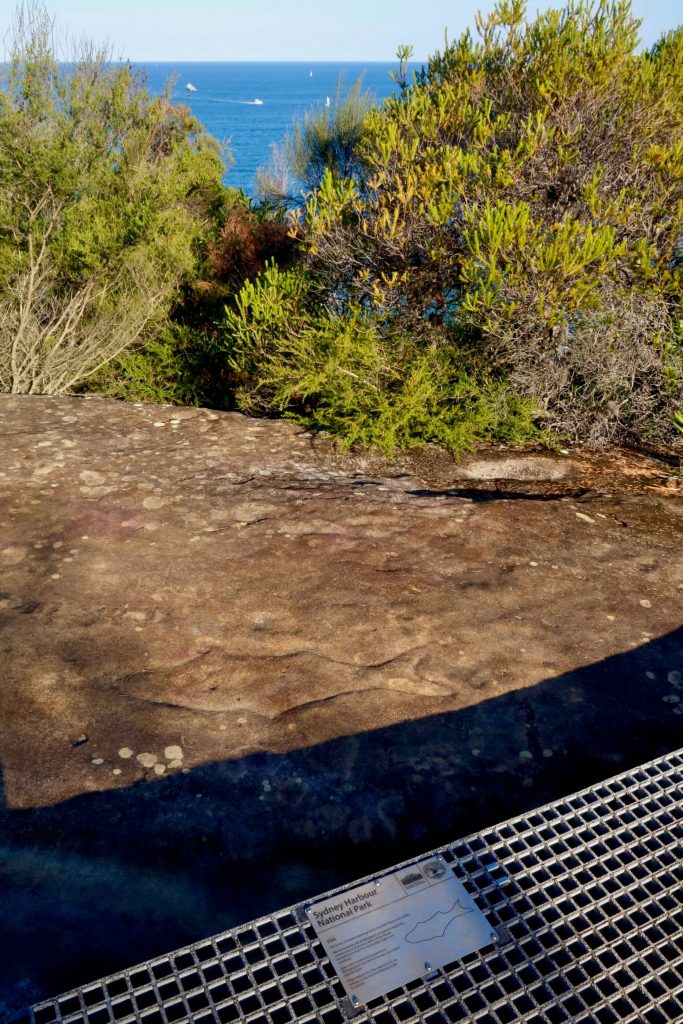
[{"x": 206, "y": 98}]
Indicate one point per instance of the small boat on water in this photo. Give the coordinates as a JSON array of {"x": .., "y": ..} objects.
[
  {"x": 258, "y": 102},
  {"x": 190, "y": 87},
  {"x": 327, "y": 101}
]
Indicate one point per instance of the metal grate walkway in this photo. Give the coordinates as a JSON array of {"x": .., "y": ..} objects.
[{"x": 586, "y": 895}]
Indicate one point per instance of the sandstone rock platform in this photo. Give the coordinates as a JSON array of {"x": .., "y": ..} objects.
[{"x": 238, "y": 667}]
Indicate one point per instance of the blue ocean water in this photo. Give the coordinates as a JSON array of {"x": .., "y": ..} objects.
[{"x": 226, "y": 94}]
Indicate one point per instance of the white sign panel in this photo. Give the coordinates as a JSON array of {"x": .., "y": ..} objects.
[{"x": 400, "y": 927}]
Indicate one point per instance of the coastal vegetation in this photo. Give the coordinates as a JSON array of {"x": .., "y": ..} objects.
[
  {"x": 324, "y": 140},
  {"x": 494, "y": 253},
  {"x": 105, "y": 197}
]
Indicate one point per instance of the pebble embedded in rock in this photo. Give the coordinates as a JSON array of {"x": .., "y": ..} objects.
[
  {"x": 525, "y": 755},
  {"x": 582, "y": 515},
  {"x": 91, "y": 478},
  {"x": 650, "y": 675},
  {"x": 98, "y": 760},
  {"x": 675, "y": 678},
  {"x": 173, "y": 753},
  {"x": 116, "y": 771},
  {"x": 15, "y": 553},
  {"x": 175, "y": 764},
  {"x": 671, "y": 698},
  {"x": 159, "y": 769},
  {"x": 125, "y": 753},
  {"x": 645, "y": 603},
  {"x": 147, "y": 760}
]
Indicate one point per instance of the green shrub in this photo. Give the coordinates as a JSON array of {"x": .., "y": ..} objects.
[
  {"x": 185, "y": 362},
  {"x": 325, "y": 140},
  {"x": 181, "y": 365},
  {"x": 525, "y": 191},
  {"x": 355, "y": 378},
  {"x": 105, "y": 194}
]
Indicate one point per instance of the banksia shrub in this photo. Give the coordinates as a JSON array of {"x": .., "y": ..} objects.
[{"x": 524, "y": 195}]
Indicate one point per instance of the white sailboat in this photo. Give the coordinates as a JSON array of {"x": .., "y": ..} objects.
[
  {"x": 327, "y": 101},
  {"x": 258, "y": 102},
  {"x": 190, "y": 87}
]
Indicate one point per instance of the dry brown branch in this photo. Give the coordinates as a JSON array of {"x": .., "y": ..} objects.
[{"x": 51, "y": 340}]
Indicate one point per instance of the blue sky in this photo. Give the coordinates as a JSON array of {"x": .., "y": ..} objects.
[{"x": 309, "y": 30}]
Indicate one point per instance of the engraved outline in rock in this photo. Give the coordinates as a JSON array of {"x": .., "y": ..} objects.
[{"x": 439, "y": 913}]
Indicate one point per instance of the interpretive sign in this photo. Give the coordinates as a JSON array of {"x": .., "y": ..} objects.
[{"x": 403, "y": 925}]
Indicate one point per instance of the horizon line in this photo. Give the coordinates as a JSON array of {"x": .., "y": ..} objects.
[{"x": 255, "y": 60}]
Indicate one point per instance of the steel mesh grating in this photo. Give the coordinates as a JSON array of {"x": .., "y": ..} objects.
[{"x": 585, "y": 893}]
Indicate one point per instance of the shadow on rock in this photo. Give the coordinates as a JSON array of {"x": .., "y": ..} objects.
[{"x": 105, "y": 880}]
